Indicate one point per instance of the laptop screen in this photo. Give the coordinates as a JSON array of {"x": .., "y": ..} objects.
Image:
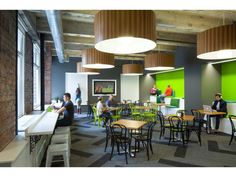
[{"x": 207, "y": 108}]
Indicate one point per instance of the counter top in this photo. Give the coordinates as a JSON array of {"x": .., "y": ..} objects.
[
  {"x": 26, "y": 121},
  {"x": 11, "y": 152},
  {"x": 44, "y": 126}
]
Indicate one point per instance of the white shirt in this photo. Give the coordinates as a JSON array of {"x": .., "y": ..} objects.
[
  {"x": 99, "y": 108},
  {"x": 218, "y": 106}
]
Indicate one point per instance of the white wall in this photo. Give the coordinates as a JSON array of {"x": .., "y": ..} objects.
[
  {"x": 129, "y": 88},
  {"x": 231, "y": 107},
  {"x": 72, "y": 81}
]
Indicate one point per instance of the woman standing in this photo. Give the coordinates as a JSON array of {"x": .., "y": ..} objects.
[{"x": 78, "y": 99}]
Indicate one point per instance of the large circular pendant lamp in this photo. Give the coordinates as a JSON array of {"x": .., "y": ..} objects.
[
  {"x": 217, "y": 43},
  {"x": 87, "y": 71},
  {"x": 125, "y": 31},
  {"x": 132, "y": 69},
  {"x": 95, "y": 59},
  {"x": 159, "y": 61}
]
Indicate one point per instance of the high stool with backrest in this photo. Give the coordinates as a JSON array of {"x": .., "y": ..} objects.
[
  {"x": 61, "y": 139},
  {"x": 64, "y": 130},
  {"x": 58, "y": 150}
]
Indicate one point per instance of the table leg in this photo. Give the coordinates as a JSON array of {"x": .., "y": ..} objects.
[{"x": 208, "y": 124}]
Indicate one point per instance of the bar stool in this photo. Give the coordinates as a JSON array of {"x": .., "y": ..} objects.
[
  {"x": 63, "y": 130},
  {"x": 61, "y": 139},
  {"x": 58, "y": 150}
]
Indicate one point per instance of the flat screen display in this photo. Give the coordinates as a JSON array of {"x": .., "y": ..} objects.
[{"x": 104, "y": 87}]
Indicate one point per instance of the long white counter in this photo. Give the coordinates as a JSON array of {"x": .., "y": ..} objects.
[
  {"x": 26, "y": 121},
  {"x": 44, "y": 126},
  {"x": 19, "y": 152},
  {"x": 12, "y": 151}
]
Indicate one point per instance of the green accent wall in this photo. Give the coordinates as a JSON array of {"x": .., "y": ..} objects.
[
  {"x": 175, "y": 79},
  {"x": 228, "y": 80}
]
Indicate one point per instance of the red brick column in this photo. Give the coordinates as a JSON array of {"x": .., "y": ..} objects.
[
  {"x": 47, "y": 74},
  {"x": 7, "y": 77}
]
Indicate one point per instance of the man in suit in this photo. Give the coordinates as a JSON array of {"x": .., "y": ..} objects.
[{"x": 220, "y": 106}]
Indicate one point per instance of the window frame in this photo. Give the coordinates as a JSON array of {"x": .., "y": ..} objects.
[
  {"x": 36, "y": 79},
  {"x": 20, "y": 70}
]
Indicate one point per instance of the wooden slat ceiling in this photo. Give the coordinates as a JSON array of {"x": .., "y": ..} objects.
[{"x": 174, "y": 28}]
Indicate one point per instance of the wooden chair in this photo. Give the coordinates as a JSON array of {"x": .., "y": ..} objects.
[
  {"x": 96, "y": 117},
  {"x": 120, "y": 137},
  {"x": 145, "y": 138},
  {"x": 233, "y": 128}
]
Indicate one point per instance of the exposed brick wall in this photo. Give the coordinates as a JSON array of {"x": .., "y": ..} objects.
[
  {"x": 47, "y": 74},
  {"x": 28, "y": 74},
  {"x": 8, "y": 40}
]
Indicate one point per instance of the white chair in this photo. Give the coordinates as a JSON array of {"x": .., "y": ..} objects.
[
  {"x": 61, "y": 139},
  {"x": 58, "y": 150},
  {"x": 63, "y": 130}
]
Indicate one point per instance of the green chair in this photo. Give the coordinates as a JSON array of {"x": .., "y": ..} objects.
[
  {"x": 96, "y": 117},
  {"x": 158, "y": 97},
  {"x": 135, "y": 114},
  {"x": 173, "y": 93},
  {"x": 174, "y": 103},
  {"x": 117, "y": 115},
  {"x": 149, "y": 116}
]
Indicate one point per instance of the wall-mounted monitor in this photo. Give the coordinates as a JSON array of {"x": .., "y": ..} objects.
[{"x": 103, "y": 87}]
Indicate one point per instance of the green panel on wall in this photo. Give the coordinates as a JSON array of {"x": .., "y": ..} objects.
[
  {"x": 175, "y": 79},
  {"x": 228, "y": 80}
]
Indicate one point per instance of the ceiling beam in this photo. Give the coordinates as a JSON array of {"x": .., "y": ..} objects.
[
  {"x": 72, "y": 39},
  {"x": 164, "y": 38},
  {"x": 78, "y": 53},
  {"x": 179, "y": 21},
  {"x": 70, "y": 28},
  {"x": 82, "y": 29},
  {"x": 79, "y": 47},
  {"x": 176, "y": 37}
]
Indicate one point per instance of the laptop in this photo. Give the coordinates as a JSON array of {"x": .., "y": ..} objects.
[{"x": 207, "y": 108}]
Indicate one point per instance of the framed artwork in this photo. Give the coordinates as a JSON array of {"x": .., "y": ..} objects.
[{"x": 103, "y": 87}]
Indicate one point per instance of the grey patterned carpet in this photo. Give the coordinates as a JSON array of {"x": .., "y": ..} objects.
[{"x": 88, "y": 142}]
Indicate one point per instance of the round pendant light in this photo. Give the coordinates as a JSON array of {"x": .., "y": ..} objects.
[
  {"x": 217, "y": 43},
  {"x": 87, "y": 71},
  {"x": 159, "y": 61},
  {"x": 132, "y": 69},
  {"x": 92, "y": 58},
  {"x": 125, "y": 31}
]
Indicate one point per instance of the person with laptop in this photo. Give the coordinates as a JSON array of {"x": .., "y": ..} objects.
[
  {"x": 102, "y": 111},
  {"x": 220, "y": 106},
  {"x": 67, "y": 110}
]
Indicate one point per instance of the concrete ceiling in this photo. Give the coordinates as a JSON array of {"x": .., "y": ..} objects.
[{"x": 174, "y": 28}]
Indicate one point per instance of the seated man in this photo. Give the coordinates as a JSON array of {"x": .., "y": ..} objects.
[
  {"x": 220, "y": 106},
  {"x": 67, "y": 110},
  {"x": 111, "y": 102},
  {"x": 102, "y": 111},
  {"x": 168, "y": 92}
]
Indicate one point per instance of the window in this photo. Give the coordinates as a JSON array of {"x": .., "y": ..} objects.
[
  {"x": 20, "y": 71},
  {"x": 37, "y": 80}
]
